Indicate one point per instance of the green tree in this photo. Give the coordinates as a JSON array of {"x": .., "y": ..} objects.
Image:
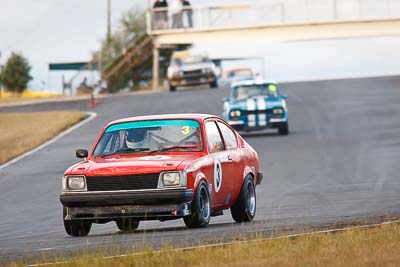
[{"x": 15, "y": 76}]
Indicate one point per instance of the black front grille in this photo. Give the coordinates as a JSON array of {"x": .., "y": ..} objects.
[
  {"x": 256, "y": 112},
  {"x": 126, "y": 182},
  {"x": 193, "y": 72}
]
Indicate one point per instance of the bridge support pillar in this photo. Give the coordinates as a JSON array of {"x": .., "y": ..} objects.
[{"x": 156, "y": 60}]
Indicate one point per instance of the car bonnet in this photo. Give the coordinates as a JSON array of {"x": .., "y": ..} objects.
[
  {"x": 132, "y": 164},
  {"x": 258, "y": 102}
]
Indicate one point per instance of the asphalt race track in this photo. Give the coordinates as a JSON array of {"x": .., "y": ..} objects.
[{"x": 340, "y": 162}]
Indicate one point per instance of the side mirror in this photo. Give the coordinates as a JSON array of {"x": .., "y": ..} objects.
[
  {"x": 225, "y": 99},
  {"x": 284, "y": 96},
  {"x": 82, "y": 153}
]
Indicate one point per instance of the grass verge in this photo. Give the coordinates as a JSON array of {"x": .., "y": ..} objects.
[
  {"x": 378, "y": 246},
  {"x": 7, "y": 97},
  {"x": 21, "y": 132}
]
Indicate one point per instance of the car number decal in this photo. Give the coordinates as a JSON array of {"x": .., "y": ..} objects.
[
  {"x": 185, "y": 130},
  {"x": 217, "y": 175},
  {"x": 272, "y": 87}
]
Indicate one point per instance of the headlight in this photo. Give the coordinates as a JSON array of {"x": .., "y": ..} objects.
[
  {"x": 74, "y": 183},
  {"x": 206, "y": 70},
  {"x": 277, "y": 111},
  {"x": 172, "y": 179},
  {"x": 235, "y": 113}
]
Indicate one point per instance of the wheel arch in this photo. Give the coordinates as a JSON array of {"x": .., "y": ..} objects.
[
  {"x": 199, "y": 178},
  {"x": 248, "y": 171}
]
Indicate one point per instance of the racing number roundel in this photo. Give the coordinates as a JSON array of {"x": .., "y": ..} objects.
[{"x": 217, "y": 175}]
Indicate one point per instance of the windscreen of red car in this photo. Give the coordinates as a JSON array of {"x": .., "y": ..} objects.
[{"x": 149, "y": 137}]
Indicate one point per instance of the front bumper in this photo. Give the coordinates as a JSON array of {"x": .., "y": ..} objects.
[
  {"x": 142, "y": 197},
  {"x": 142, "y": 205},
  {"x": 241, "y": 125},
  {"x": 138, "y": 212},
  {"x": 192, "y": 80}
]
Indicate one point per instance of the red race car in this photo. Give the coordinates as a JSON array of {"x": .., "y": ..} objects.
[{"x": 164, "y": 167}]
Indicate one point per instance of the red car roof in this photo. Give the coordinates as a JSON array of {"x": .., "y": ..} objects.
[{"x": 193, "y": 116}]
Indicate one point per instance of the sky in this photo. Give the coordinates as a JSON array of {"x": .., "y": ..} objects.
[
  {"x": 316, "y": 60},
  {"x": 47, "y": 31},
  {"x": 52, "y": 31}
]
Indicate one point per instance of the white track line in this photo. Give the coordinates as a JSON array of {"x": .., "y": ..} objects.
[
  {"x": 91, "y": 116},
  {"x": 236, "y": 242}
]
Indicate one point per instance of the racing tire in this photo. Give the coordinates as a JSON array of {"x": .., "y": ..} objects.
[
  {"x": 127, "y": 225},
  {"x": 76, "y": 227},
  {"x": 214, "y": 84},
  {"x": 244, "y": 208},
  {"x": 284, "y": 130},
  {"x": 172, "y": 88},
  {"x": 201, "y": 208}
]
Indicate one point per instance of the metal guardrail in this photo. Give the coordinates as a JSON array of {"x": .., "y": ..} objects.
[{"x": 259, "y": 13}]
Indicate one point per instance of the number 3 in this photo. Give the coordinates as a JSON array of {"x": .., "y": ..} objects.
[{"x": 185, "y": 130}]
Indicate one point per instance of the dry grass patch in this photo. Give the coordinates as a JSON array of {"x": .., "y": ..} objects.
[
  {"x": 21, "y": 132},
  {"x": 7, "y": 97},
  {"x": 379, "y": 246}
]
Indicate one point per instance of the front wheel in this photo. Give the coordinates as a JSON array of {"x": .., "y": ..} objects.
[
  {"x": 76, "y": 227},
  {"x": 284, "y": 130},
  {"x": 172, "y": 88},
  {"x": 201, "y": 208},
  {"x": 244, "y": 208},
  {"x": 214, "y": 84},
  {"x": 127, "y": 225}
]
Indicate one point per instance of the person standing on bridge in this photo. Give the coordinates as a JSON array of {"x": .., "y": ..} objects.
[
  {"x": 189, "y": 12},
  {"x": 176, "y": 8},
  {"x": 160, "y": 14}
]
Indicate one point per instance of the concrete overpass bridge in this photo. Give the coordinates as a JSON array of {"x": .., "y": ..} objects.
[{"x": 270, "y": 21}]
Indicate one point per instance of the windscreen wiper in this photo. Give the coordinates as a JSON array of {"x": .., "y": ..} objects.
[
  {"x": 126, "y": 150},
  {"x": 167, "y": 149}
]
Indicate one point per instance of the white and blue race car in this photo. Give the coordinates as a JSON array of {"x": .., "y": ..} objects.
[{"x": 256, "y": 105}]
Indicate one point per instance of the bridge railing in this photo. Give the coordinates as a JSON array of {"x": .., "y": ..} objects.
[{"x": 259, "y": 13}]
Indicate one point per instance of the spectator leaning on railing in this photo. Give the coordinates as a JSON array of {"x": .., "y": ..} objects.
[
  {"x": 175, "y": 9},
  {"x": 160, "y": 14},
  {"x": 188, "y": 11}
]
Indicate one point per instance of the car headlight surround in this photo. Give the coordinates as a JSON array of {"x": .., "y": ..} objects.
[
  {"x": 74, "y": 183},
  {"x": 235, "y": 113},
  {"x": 277, "y": 111},
  {"x": 172, "y": 179}
]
